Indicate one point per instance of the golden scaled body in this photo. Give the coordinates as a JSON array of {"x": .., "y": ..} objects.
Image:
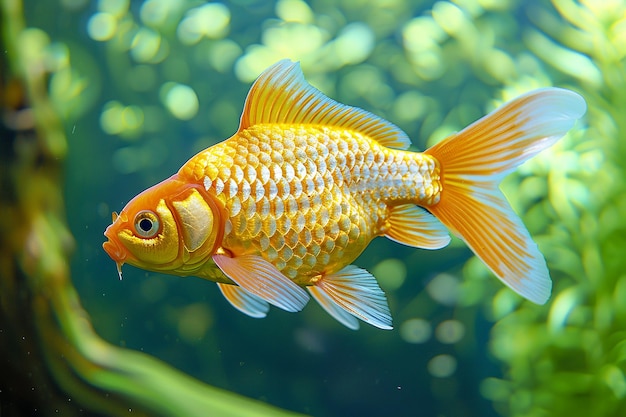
[
  {"x": 309, "y": 199},
  {"x": 279, "y": 211}
]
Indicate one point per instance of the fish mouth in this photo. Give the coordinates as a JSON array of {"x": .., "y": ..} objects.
[{"x": 115, "y": 251}]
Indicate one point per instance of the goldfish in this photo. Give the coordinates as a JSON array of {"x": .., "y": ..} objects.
[{"x": 279, "y": 212}]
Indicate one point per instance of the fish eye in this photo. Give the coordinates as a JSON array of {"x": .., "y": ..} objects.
[{"x": 146, "y": 224}]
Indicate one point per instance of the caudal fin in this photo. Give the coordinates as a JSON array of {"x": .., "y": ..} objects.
[{"x": 474, "y": 161}]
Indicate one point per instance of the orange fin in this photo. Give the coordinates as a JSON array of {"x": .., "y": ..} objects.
[
  {"x": 259, "y": 277},
  {"x": 356, "y": 291},
  {"x": 413, "y": 226},
  {"x": 282, "y": 95},
  {"x": 332, "y": 308},
  {"x": 474, "y": 161},
  {"x": 244, "y": 301}
]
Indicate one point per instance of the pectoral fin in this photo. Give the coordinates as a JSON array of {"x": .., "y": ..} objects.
[
  {"x": 355, "y": 291},
  {"x": 259, "y": 277},
  {"x": 244, "y": 301}
]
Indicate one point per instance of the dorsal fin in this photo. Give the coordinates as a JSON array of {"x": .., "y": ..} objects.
[{"x": 282, "y": 95}]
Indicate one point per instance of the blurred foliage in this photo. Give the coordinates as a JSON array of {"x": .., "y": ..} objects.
[
  {"x": 569, "y": 358},
  {"x": 52, "y": 361},
  {"x": 146, "y": 84}
]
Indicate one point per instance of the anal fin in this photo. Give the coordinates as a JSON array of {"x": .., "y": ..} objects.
[
  {"x": 342, "y": 316},
  {"x": 413, "y": 226},
  {"x": 244, "y": 301},
  {"x": 356, "y": 292}
]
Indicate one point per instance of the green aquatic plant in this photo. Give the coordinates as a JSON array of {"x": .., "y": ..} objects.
[{"x": 568, "y": 358}]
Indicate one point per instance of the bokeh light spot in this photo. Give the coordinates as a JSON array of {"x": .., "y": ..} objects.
[
  {"x": 136, "y": 158},
  {"x": 294, "y": 11},
  {"x": 194, "y": 322},
  {"x": 110, "y": 118},
  {"x": 222, "y": 54},
  {"x": 101, "y": 26},
  {"x": 411, "y": 106},
  {"x": 210, "y": 21},
  {"x": 499, "y": 65},
  {"x": 294, "y": 39},
  {"x": 354, "y": 43},
  {"x": 157, "y": 12},
  {"x": 444, "y": 288},
  {"x": 58, "y": 57},
  {"x": 429, "y": 65},
  {"x": 391, "y": 273},
  {"x": 450, "y": 17},
  {"x": 442, "y": 366},
  {"x": 450, "y": 331},
  {"x": 145, "y": 45},
  {"x": 34, "y": 41},
  {"x": 422, "y": 33},
  {"x": 495, "y": 389},
  {"x": 117, "y": 119},
  {"x": 181, "y": 100},
  {"x": 115, "y": 7},
  {"x": 132, "y": 118},
  {"x": 416, "y": 331},
  {"x": 291, "y": 40}
]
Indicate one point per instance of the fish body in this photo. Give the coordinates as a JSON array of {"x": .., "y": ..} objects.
[
  {"x": 309, "y": 199},
  {"x": 292, "y": 199}
]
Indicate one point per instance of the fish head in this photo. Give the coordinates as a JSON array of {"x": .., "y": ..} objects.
[{"x": 172, "y": 227}]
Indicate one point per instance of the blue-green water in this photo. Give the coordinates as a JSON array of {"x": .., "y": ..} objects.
[{"x": 143, "y": 85}]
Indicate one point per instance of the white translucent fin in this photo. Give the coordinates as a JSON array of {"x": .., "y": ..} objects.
[
  {"x": 338, "y": 313},
  {"x": 356, "y": 291},
  {"x": 262, "y": 279},
  {"x": 244, "y": 301},
  {"x": 511, "y": 134},
  {"x": 282, "y": 95},
  {"x": 474, "y": 161},
  {"x": 413, "y": 226}
]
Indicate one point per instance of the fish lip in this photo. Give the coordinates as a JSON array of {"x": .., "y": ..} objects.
[
  {"x": 113, "y": 248},
  {"x": 116, "y": 252}
]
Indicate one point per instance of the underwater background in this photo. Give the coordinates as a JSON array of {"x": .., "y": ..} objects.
[{"x": 141, "y": 86}]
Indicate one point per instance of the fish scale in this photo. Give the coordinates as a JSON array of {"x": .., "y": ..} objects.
[{"x": 309, "y": 199}]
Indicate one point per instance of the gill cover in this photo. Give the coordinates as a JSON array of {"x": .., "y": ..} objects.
[{"x": 199, "y": 222}]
